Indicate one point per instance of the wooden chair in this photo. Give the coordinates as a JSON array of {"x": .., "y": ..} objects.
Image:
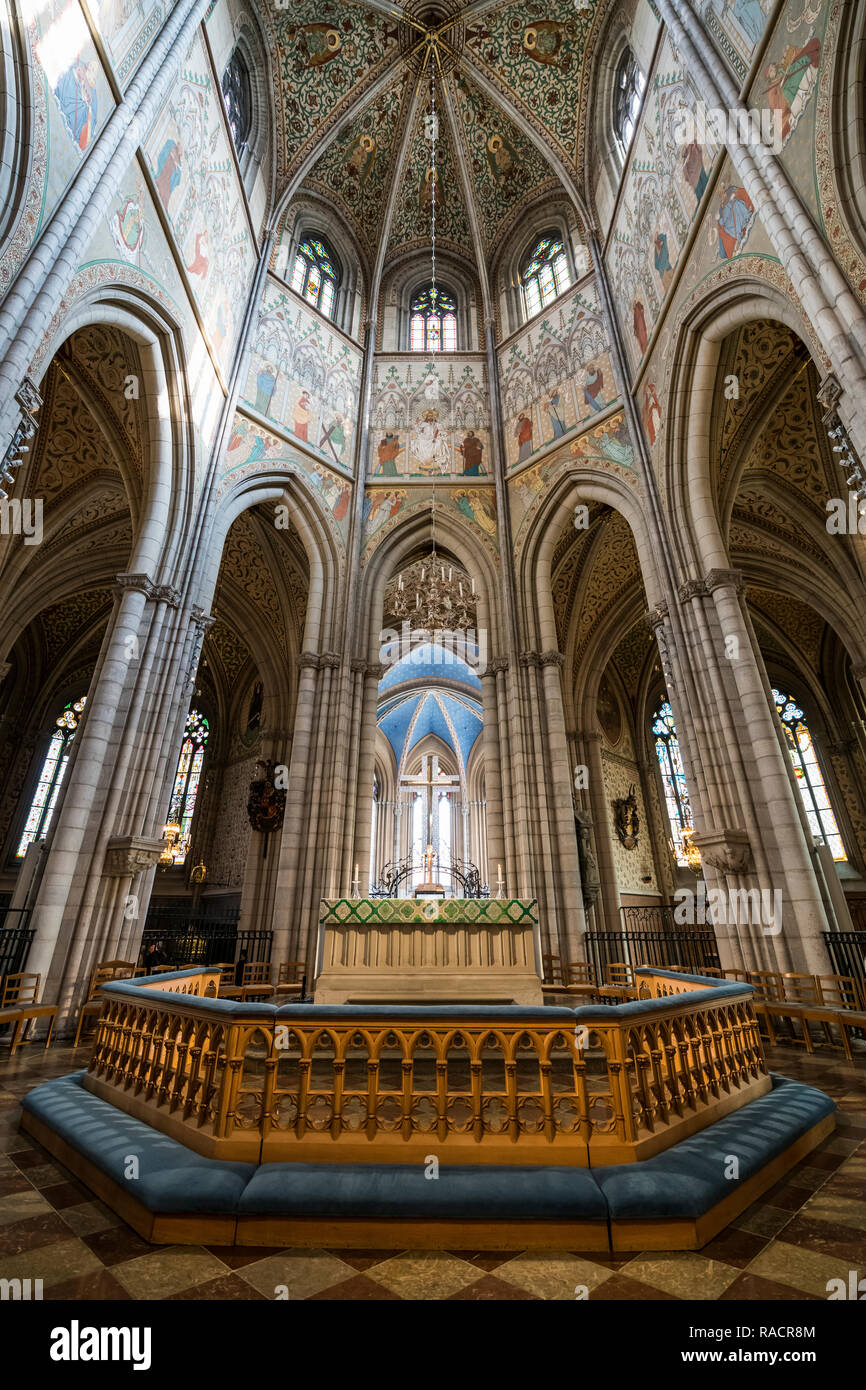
[
  {"x": 20, "y": 1005},
  {"x": 257, "y": 980},
  {"x": 552, "y": 967},
  {"x": 104, "y": 971},
  {"x": 290, "y": 978},
  {"x": 579, "y": 982},
  {"x": 741, "y": 975},
  {"x": 619, "y": 981}
]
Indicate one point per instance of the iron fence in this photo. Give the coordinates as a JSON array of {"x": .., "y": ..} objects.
[
  {"x": 847, "y": 950},
  {"x": 191, "y": 938},
  {"x": 16, "y": 936},
  {"x": 649, "y": 936}
]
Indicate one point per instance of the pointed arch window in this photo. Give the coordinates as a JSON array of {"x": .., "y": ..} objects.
[
  {"x": 544, "y": 274},
  {"x": 679, "y": 810},
  {"x": 186, "y": 784},
  {"x": 314, "y": 276},
  {"x": 237, "y": 92},
  {"x": 433, "y": 321},
  {"x": 628, "y": 89},
  {"x": 51, "y": 776},
  {"x": 819, "y": 812}
]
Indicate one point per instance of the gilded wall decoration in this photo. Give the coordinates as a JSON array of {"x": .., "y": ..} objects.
[
  {"x": 410, "y": 225},
  {"x": 737, "y": 27}
]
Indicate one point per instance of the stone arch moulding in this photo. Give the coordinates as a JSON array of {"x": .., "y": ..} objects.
[
  {"x": 690, "y": 391},
  {"x": 171, "y": 477},
  {"x": 325, "y": 558},
  {"x": 534, "y": 566}
]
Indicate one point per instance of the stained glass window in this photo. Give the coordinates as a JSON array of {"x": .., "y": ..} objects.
[
  {"x": 186, "y": 783},
  {"x": 819, "y": 812},
  {"x": 314, "y": 275},
  {"x": 433, "y": 321},
  {"x": 627, "y": 92},
  {"x": 238, "y": 98},
  {"x": 673, "y": 779},
  {"x": 51, "y": 777},
  {"x": 544, "y": 275}
]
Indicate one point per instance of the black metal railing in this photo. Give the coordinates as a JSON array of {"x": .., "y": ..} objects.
[
  {"x": 196, "y": 938},
  {"x": 847, "y": 951},
  {"x": 692, "y": 948},
  {"x": 16, "y": 936}
]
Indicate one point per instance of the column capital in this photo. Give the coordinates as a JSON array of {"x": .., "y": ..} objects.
[
  {"x": 308, "y": 661},
  {"x": 497, "y": 664},
  {"x": 167, "y": 593},
  {"x": 529, "y": 659},
  {"x": 724, "y": 579},
  {"x": 200, "y": 618},
  {"x": 728, "y": 850},
  {"x": 552, "y": 658},
  {"x": 656, "y": 617},
  {"x": 692, "y": 588},
  {"x": 829, "y": 394},
  {"x": 590, "y": 735},
  {"x": 330, "y": 660},
  {"x": 131, "y": 854},
  {"x": 138, "y": 583}
]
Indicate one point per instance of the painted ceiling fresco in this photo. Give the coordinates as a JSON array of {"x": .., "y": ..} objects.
[
  {"x": 411, "y": 223},
  {"x": 535, "y": 55},
  {"x": 356, "y": 168},
  {"x": 347, "y": 71}
]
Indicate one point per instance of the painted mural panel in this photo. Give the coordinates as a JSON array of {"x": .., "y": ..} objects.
[
  {"x": 253, "y": 450},
  {"x": 715, "y": 254},
  {"x": 606, "y": 445},
  {"x": 788, "y": 83},
  {"x": 304, "y": 376},
  {"x": 386, "y": 507},
  {"x": 128, "y": 28},
  {"x": 737, "y": 27},
  {"x": 198, "y": 187},
  {"x": 430, "y": 416},
  {"x": 555, "y": 375},
  {"x": 72, "y": 101},
  {"x": 664, "y": 186}
]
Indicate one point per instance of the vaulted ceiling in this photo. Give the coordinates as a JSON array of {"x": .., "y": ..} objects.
[{"x": 353, "y": 88}]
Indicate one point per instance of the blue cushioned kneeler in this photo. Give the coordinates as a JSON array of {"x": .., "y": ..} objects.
[
  {"x": 461, "y": 1192},
  {"x": 689, "y": 1179},
  {"x": 171, "y": 1177}
]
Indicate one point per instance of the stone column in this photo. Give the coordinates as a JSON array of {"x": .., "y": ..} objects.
[
  {"x": 751, "y": 828},
  {"x": 102, "y": 845},
  {"x": 589, "y": 746},
  {"x": 491, "y": 733}
]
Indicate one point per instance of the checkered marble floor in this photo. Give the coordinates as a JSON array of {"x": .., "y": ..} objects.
[{"x": 809, "y": 1228}]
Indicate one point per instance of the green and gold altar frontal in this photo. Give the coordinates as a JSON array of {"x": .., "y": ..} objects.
[
  {"x": 428, "y": 950},
  {"x": 467, "y": 911}
]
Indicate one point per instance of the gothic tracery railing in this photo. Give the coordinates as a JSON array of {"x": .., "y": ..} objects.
[{"x": 596, "y": 1085}]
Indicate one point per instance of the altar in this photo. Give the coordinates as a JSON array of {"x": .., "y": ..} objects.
[{"x": 428, "y": 951}]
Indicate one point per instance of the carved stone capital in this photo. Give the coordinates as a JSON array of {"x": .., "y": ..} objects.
[
  {"x": 375, "y": 670},
  {"x": 308, "y": 661},
  {"x": 692, "y": 588},
  {"x": 358, "y": 665},
  {"x": 553, "y": 658},
  {"x": 656, "y": 617},
  {"x": 529, "y": 659},
  {"x": 331, "y": 660},
  {"x": 724, "y": 579},
  {"x": 497, "y": 664},
  {"x": 201, "y": 619},
  {"x": 137, "y": 583},
  {"x": 28, "y": 396},
  {"x": 167, "y": 593},
  {"x": 131, "y": 854},
  {"x": 729, "y": 851},
  {"x": 829, "y": 394}
]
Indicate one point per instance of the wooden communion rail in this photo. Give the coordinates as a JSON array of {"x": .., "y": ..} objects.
[{"x": 596, "y": 1085}]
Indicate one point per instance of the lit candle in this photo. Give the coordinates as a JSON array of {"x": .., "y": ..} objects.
[
  {"x": 473, "y": 588},
  {"x": 442, "y": 568},
  {"x": 356, "y": 873},
  {"x": 460, "y": 588},
  {"x": 417, "y": 600},
  {"x": 450, "y": 573}
]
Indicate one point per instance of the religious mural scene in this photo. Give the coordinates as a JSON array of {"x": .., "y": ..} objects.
[{"x": 432, "y": 668}]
